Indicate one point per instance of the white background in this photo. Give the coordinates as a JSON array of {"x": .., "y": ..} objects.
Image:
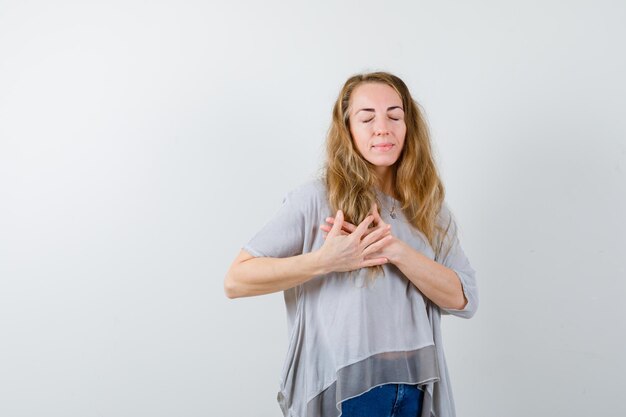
[{"x": 143, "y": 143}]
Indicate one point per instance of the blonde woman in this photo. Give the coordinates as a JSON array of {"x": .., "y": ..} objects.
[{"x": 368, "y": 258}]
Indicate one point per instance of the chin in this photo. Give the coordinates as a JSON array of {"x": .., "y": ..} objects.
[{"x": 381, "y": 163}]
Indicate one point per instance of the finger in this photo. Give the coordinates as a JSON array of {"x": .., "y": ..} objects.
[
  {"x": 349, "y": 227},
  {"x": 376, "y": 235},
  {"x": 336, "y": 229},
  {"x": 325, "y": 235},
  {"x": 377, "y": 218},
  {"x": 343, "y": 229},
  {"x": 377, "y": 245},
  {"x": 374, "y": 229},
  {"x": 374, "y": 255},
  {"x": 362, "y": 227},
  {"x": 346, "y": 225},
  {"x": 327, "y": 229},
  {"x": 374, "y": 262}
]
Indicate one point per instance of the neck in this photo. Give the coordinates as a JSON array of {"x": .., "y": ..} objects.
[{"x": 385, "y": 180}]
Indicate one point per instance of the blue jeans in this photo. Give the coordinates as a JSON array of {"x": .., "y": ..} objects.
[{"x": 389, "y": 400}]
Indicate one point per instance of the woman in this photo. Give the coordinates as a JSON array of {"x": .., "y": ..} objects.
[{"x": 365, "y": 288}]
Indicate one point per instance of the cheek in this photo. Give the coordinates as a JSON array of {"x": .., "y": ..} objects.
[
  {"x": 402, "y": 133},
  {"x": 359, "y": 138}
]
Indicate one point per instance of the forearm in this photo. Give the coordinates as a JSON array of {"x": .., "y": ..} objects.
[
  {"x": 437, "y": 282},
  {"x": 264, "y": 275}
]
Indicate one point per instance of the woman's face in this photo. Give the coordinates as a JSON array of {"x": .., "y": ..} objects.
[{"x": 377, "y": 123}]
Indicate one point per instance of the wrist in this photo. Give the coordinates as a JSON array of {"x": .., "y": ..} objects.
[
  {"x": 318, "y": 266},
  {"x": 401, "y": 252},
  {"x": 409, "y": 258}
]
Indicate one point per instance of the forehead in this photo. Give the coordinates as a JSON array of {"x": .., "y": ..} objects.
[{"x": 374, "y": 94}]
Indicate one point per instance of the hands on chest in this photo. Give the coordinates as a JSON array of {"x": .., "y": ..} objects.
[{"x": 348, "y": 246}]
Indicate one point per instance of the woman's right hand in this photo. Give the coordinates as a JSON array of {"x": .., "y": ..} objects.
[{"x": 343, "y": 251}]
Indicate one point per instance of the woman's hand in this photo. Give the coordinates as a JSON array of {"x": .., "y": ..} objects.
[
  {"x": 386, "y": 246},
  {"x": 437, "y": 282},
  {"x": 352, "y": 248}
]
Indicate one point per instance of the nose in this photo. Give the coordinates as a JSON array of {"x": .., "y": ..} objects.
[{"x": 381, "y": 128}]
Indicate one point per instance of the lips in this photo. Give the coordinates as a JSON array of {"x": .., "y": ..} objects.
[{"x": 383, "y": 146}]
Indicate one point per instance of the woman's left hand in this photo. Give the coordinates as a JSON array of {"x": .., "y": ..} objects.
[{"x": 389, "y": 247}]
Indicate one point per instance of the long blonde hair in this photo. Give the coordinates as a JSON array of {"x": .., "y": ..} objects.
[{"x": 350, "y": 179}]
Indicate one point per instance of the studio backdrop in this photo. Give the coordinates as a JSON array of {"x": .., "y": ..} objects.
[{"x": 142, "y": 144}]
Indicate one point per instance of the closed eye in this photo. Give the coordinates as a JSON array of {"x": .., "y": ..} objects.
[{"x": 369, "y": 120}]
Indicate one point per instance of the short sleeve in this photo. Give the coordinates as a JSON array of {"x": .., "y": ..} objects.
[
  {"x": 455, "y": 259},
  {"x": 283, "y": 235}
]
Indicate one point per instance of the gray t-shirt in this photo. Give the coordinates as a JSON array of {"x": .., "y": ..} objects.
[{"x": 347, "y": 336}]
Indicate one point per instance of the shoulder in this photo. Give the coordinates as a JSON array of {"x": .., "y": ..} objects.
[
  {"x": 312, "y": 191},
  {"x": 308, "y": 195},
  {"x": 445, "y": 214},
  {"x": 447, "y": 221}
]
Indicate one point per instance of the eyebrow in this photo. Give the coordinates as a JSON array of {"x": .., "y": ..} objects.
[{"x": 388, "y": 109}]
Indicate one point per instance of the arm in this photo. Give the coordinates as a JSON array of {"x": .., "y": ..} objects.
[
  {"x": 273, "y": 259},
  {"x": 437, "y": 282},
  {"x": 340, "y": 252},
  {"x": 249, "y": 275},
  {"x": 450, "y": 284}
]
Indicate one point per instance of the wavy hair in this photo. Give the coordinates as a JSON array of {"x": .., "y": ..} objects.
[{"x": 350, "y": 179}]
